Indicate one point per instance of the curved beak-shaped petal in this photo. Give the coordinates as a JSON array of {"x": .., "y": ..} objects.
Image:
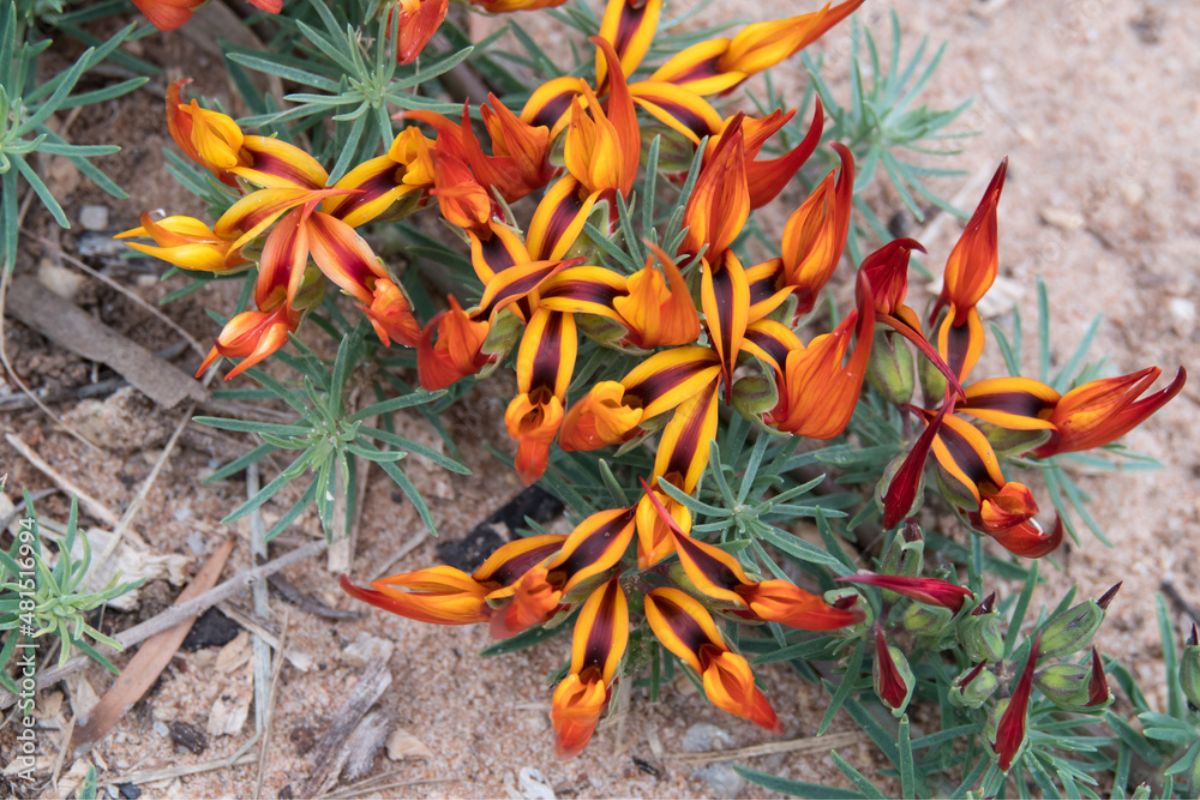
[
  {"x": 251, "y": 336},
  {"x": 901, "y": 494},
  {"x": 688, "y": 631},
  {"x": 781, "y": 601},
  {"x": 815, "y": 234},
  {"x": 1028, "y": 540},
  {"x": 391, "y": 314},
  {"x": 973, "y": 263},
  {"x": 600, "y": 638},
  {"x": 1104, "y": 410},
  {"x": 931, "y": 591},
  {"x": 419, "y": 21},
  {"x": 1010, "y": 731},
  {"x": 819, "y": 392},
  {"x": 764, "y": 44},
  {"x": 599, "y": 419},
  {"x": 767, "y": 178},
  {"x": 1011, "y": 506},
  {"x": 442, "y": 595},
  {"x": 462, "y": 200},
  {"x": 658, "y": 312},
  {"x": 458, "y": 351},
  {"x": 528, "y": 146},
  {"x": 168, "y": 15},
  {"x": 185, "y": 242},
  {"x": 719, "y": 205}
]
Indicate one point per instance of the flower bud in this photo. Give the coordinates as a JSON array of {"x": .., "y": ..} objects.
[
  {"x": 1072, "y": 630},
  {"x": 1189, "y": 670},
  {"x": 898, "y": 506},
  {"x": 973, "y": 687},
  {"x": 904, "y": 553},
  {"x": 980, "y": 637},
  {"x": 933, "y": 382},
  {"x": 928, "y": 621},
  {"x": 754, "y": 395},
  {"x": 1065, "y": 684},
  {"x": 1142, "y": 792},
  {"x": 890, "y": 369},
  {"x": 893, "y": 677},
  {"x": 848, "y": 598}
]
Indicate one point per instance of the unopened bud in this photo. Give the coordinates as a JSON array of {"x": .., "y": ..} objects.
[
  {"x": 1142, "y": 792},
  {"x": 980, "y": 637},
  {"x": 1072, "y": 630},
  {"x": 890, "y": 369},
  {"x": 904, "y": 553},
  {"x": 754, "y": 395},
  {"x": 847, "y": 598},
  {"x": 1189, "y": 670},
  {"x": 923, "y": 620},
  {"x": 898, "y": 507},
  {"x": 933, "y": 382},
  {"x": 1065, "y": 684},
  {"x": 973, "y": 687},
  {"x": 893, "y": 678},
  {"x": 505, "y": 331}
]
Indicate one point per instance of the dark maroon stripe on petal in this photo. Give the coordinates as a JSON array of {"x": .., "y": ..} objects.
[
  {"x": 600, "y": 637},
  {"x": 584, "y": 291},
  {"x": 964, "y": 455},
  {"x": 515, "y": 567},
  {"x": 595, "y": 545},
  {"x": 723, "y": 293},
  {"x": 662, "y": 382},
  {"x": 370, "y": 190},
  {"x": 690, "y": 119},
  {"x": 705, "y": 69},
  {"x": 682, "y": 625},
  {"x": 548, "y": 359},
  {"x": 1021, "y": 403},
  {"x": 564, "y": 214},
  {"x": 496, "y": 254},
  {"x": 552, "y": 112},
  {"x": 714, "y": 570},
  {"x": 958, "y": 342},
  {"x": 775, "y": 348},
  {"x": 273, "y": 165},
  {"x": 518, "y": 287},
  {"x": 762, "y": 289},
  {"x": 689, "y": 438},
  {"x": 631, "y": 20}
]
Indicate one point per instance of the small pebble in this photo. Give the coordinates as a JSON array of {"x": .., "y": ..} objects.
[
  {"x": 160, "y": 729},
  {"x": 1062, "y": 218},
  {"x": 129, "y": 791},
  {"x": 721, "y": 778},
  {"x": 1183, "y": 312},
  {"x": 703, "y": 737},
  {"x": 94, "y": 218}
]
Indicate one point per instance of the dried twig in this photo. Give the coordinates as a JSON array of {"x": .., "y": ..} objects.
[
  {"x": 149, "y": 661},
  {"x": 90, "y": 504},
  {"x": 299, "y": 659},
  {"x": 259, "y": 592},
  {"x": 805, "y": 744},
  {"x": 264, "y": 748},
  {"x": 179, "y": 612},
  {"x": 307, "y": 603},
  {"x": 328, "y": 754},
  {"x": 147, "y": 777},
  {"x": 378, "y": 784}
]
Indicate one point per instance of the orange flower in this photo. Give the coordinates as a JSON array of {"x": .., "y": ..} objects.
[
  {"x": 545, "y": 361},
  {"x": 1104, "y": 410},
  {"x": 658, "y": 312},
  {"x": 458, "y": 351},
  {"x": 419, "y": 21},
  {"x": 815, "y": 234}
]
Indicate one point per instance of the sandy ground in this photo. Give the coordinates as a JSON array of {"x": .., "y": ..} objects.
[{"x": 1095, "y": 105}]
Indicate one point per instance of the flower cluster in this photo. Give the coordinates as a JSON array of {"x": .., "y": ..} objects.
[{"x": 707, "y": 332}]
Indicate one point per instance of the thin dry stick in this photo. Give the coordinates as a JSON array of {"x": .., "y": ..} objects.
[
  {"x": 259, "y": 592},
  {"x": 299, "y": 659},
  {"x": 62, "y": 752},
  {"x": 157, "y": 776},
  {"x": 90, "y": 504},
  {"x": 375, "y": 789},
  {"x": 178, "y": 613},
  {"x": 805, "y": 744},
  {"x": 270, "y": 716}
]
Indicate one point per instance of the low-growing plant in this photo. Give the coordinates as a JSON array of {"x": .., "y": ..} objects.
[{"x": 762, "y": 462}]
